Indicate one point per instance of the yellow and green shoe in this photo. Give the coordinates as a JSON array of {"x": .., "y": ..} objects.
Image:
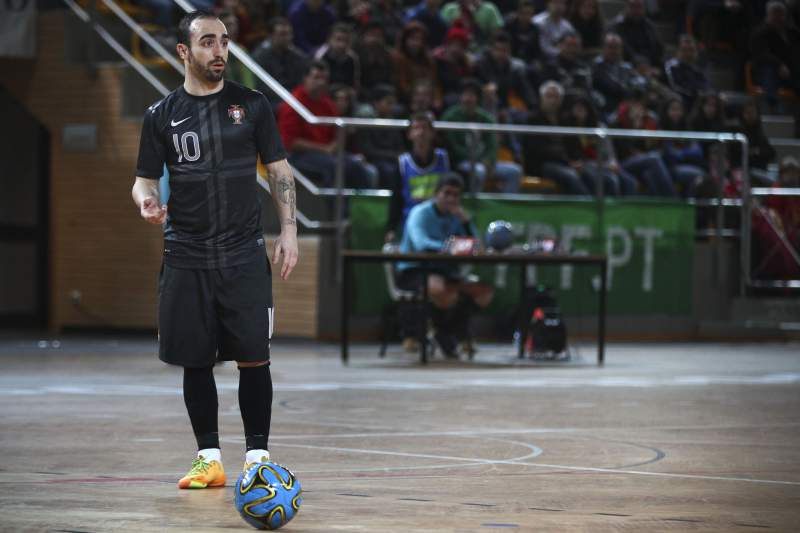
[{"x": 203, "y": 474}]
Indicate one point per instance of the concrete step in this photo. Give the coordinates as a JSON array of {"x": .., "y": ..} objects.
[{"x": 778, "y": 125}]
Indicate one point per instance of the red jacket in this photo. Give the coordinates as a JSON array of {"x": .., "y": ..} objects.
[{"x": 292, "y": 126}]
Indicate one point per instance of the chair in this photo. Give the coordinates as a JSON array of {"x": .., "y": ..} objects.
[{"x": 403, "y": 303}]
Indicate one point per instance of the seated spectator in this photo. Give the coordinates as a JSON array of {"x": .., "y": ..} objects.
[
  {"x": 523, "y": 32},
  {"x": 384, "y": 14},
  {"x": 419, "y": 170},
  {"x": 656, "y": 91},
  {"x": 453, "y": 64},
  {"x": 427, "y": 13},
  {"x": 567, "y": 68},
  {"x": 775, "y": 49},
  {"x": 586, "y": 18},
  {"x": 593, "y": 157},
  {"x": 552, "y": 26},
  {"x": 614, "y": 78},
  {"x": 495, "y": 66},
  {"x": 375, "y": 58},
  {"x": 281, "y": 59},
  {"x": 480, "y": 18},
  {"x": 382, "y": 146},
  {"x": 640, "y": 157},
  {"x": 776, "y": 229},
  {"x": 546, "y": 155},
  {"x": 423, "y": 99},
  {"x": 684, "y": 159},
  {"x": 338, "y": 53},
  {"x": 708, "y": 113},
  {"x": 480, "y": 149},
  {"x": 683, "y": 74},
  {"x": 311, "y": 21},
  {"x": 638, "y": 33},
  {"x": 412, "y": 61},
  {"x": 760, "y": 152},
  {"x": 429, "y": 226},
  {"x": 312, "y": 148}
]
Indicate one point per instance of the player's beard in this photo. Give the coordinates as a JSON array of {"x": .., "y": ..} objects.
[{"x": 205, "y": 72}]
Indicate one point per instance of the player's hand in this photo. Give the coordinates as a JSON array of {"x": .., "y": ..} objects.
[
  {"x": 152, "y": 212},
  {"x": 286, "y": 246}
]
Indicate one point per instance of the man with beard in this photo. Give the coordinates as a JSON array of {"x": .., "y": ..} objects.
[{"x": 215, "y": 295}]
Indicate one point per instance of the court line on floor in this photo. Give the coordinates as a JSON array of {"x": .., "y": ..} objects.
[{"x": 520, "y": 462}]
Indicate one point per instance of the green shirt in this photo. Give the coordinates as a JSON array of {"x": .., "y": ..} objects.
[
  {"x": 487, "y": 18},
  {"x": 459, "y": 145}
]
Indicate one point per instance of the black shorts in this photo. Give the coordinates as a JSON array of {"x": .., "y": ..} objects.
[
  {"x": 210, "y": 315},
  {"x": 411, "y": 279}
]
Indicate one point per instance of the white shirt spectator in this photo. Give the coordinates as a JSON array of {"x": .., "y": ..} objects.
[{"x": 550, "y": 32}]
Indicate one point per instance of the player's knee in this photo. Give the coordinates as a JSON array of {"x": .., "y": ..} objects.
[{"x": 251, "y": 364}]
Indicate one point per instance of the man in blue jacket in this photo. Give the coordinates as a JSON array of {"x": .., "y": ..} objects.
[{"x": 428, "y": 228}]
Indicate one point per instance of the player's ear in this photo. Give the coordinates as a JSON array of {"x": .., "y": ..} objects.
[{"x": 182, "y": 50}]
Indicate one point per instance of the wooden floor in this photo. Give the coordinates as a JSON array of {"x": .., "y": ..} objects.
[{"x": 689, "y": 437}]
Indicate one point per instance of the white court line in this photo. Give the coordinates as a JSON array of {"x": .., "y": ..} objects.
[{"x": 543, "y": 465}]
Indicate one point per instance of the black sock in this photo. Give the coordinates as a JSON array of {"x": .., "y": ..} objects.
[
  {"x": 255, "y": 403},
  {"x": 200, "y": 395}
]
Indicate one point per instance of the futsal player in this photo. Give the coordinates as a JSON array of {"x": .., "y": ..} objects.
[{"x": 215, "y": 292}]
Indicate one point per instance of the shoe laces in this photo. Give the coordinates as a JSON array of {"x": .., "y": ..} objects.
[{"x": 199, "y": 466}]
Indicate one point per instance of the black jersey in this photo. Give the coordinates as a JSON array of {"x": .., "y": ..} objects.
[{"x": 210, "y": 145}]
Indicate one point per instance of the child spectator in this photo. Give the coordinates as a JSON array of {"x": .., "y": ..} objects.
[
  {"x": 592, "y": 156},
  {"x": 481, "y": 148},
  {"x": 684, "y": 159},
  {"x": 419, "y": 169},
  {"x": 639, "y": 157}
]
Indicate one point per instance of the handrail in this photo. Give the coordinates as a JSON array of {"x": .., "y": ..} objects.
[
  {"x": 118, "y": 48},
  {"x": 136, "y": 28}
]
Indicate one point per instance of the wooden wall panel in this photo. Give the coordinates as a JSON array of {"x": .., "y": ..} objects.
[{"x": 98, "y": 243}]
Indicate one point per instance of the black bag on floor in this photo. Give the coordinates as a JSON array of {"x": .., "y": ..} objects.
[{"x": 547, "y": 332}]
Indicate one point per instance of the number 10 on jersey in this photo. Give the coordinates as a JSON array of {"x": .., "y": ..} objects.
[{"x": 182, "y": 146}]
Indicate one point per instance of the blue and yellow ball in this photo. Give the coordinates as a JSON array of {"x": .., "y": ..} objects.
[{"x": 267, "y": 495}]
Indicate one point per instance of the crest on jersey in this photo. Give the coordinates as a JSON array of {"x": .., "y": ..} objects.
[{"x": 236, "y": 112}]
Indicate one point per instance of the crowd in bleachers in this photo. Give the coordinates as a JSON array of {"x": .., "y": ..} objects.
[{"x": 537, "y": 62}]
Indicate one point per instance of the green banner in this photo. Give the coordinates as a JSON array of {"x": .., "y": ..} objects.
[{"x": 649, "y": 244}]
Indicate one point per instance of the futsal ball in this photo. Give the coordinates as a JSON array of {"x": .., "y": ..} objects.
[
  {"x": 267, "y": 495},
  {"x": 499, "y": 235}
]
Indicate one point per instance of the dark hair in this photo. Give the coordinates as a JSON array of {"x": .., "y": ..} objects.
[
  {"x": 277, "y": 21},
  {"x": 573, "y": 97},
  {"x": 341, "y": 27},
  {"x": 317, "y": 64},
  {"x": 184, "y": 35},
  {"x": 450, "y": 179},
  {"x": 665, "y": 121},
  {"x": 382, "y": 90},
  {"x": 473, "y": 85},
  {"x": 424, "y": 116},
  {"x": 501, "y": 37}
]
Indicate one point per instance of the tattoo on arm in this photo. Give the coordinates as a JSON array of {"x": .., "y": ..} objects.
[{"x": 286, "y": 194}]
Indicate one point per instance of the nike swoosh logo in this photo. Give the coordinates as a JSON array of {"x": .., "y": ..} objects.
[{"x": 173, "y": 123}]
